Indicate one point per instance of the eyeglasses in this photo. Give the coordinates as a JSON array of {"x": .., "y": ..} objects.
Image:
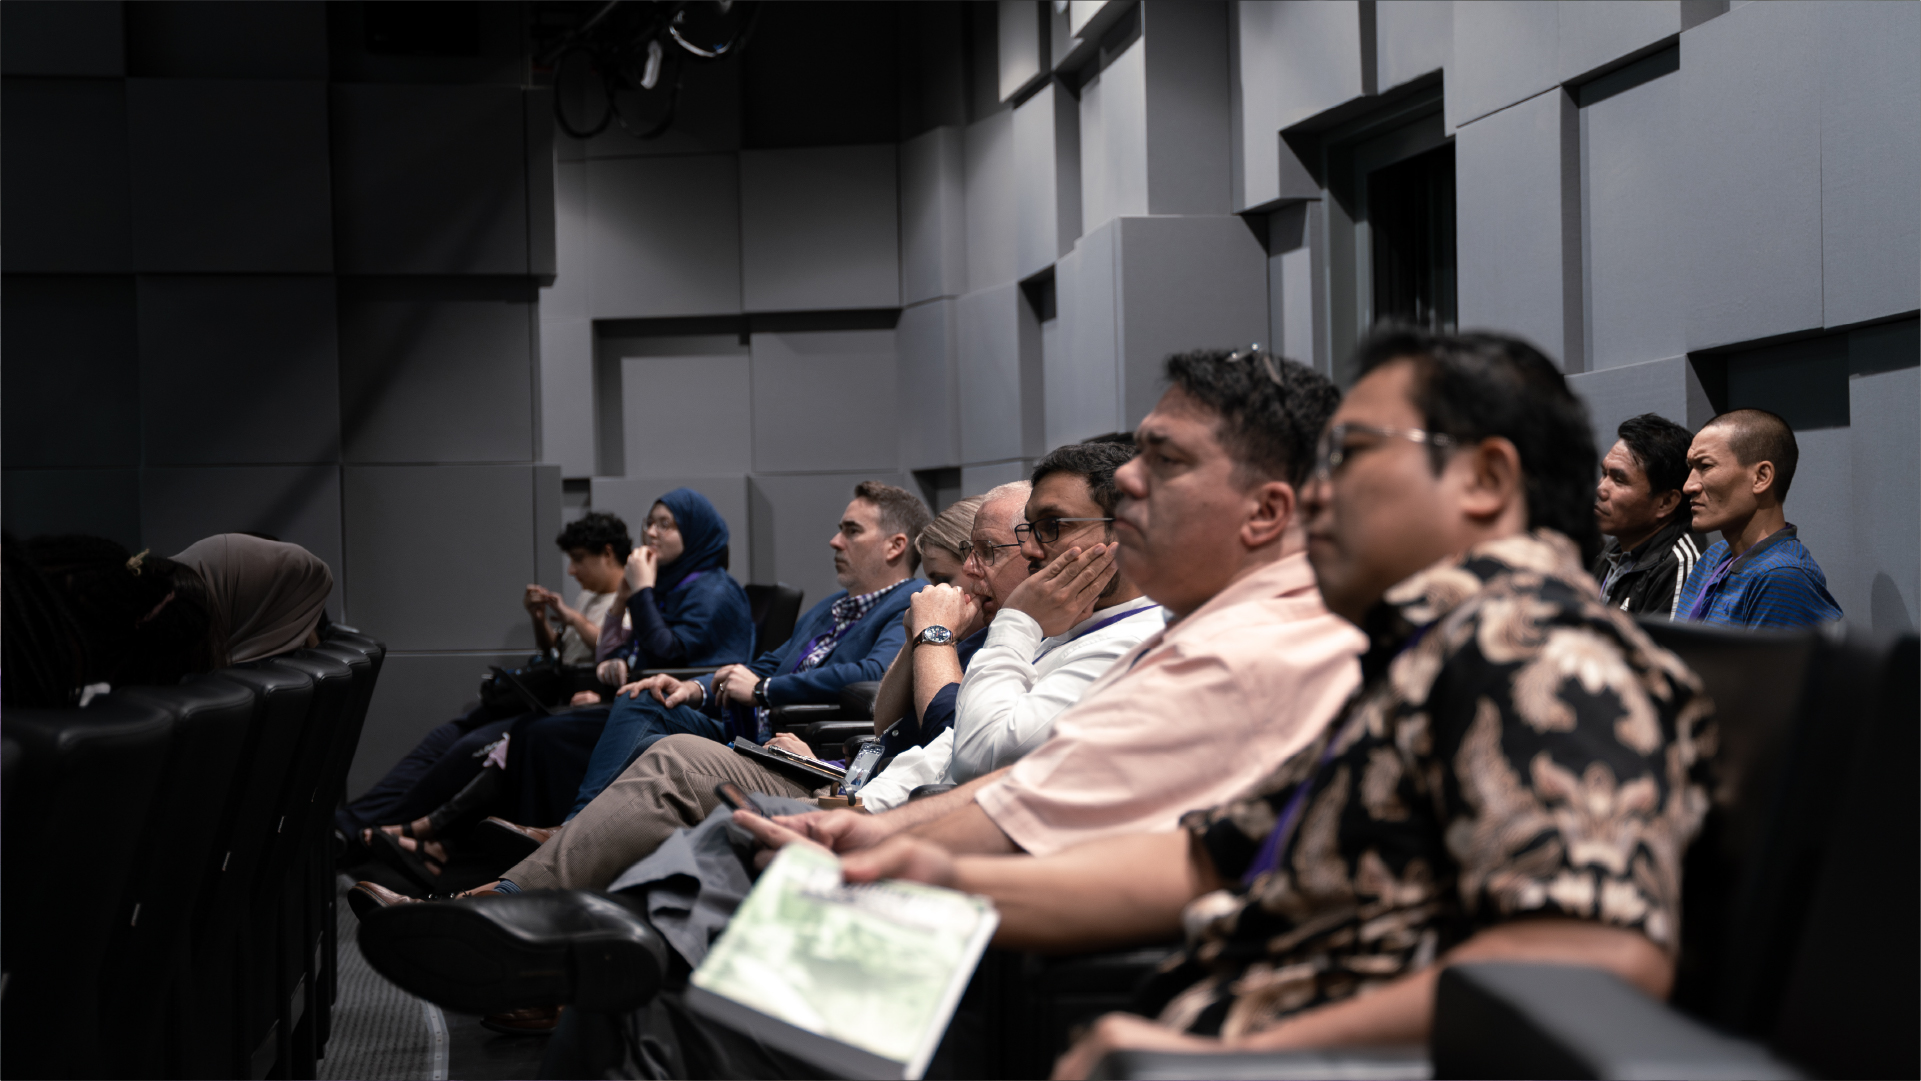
[
  {"x": 1333, "y": 449},
  {"x": 1267, "y": 362},
  {"x": 1047, "y": 530},
  {"x": 986, "y": 554},
  {"x": 659, "y": 525}
]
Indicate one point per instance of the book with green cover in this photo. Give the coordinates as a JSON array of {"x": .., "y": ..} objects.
[{"x": 859, "y": 980}]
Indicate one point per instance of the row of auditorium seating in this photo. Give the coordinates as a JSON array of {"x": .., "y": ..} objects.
[
  {"x": 169, "y": 865},
  {"x": 1800, "y": 929}
]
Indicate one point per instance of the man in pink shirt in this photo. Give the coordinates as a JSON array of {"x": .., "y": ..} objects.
[{"x": 1249, "y": 669}]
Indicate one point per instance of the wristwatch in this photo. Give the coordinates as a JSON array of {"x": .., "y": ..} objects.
[
  {"x": 934, "y": 636},
  {"x": 760, "y": 695}
]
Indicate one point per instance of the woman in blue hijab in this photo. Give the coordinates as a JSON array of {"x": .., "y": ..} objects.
[{"x": 685, "y": 609}]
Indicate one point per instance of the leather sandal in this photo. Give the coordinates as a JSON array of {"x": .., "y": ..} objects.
[{"x": 387, "y": 849}]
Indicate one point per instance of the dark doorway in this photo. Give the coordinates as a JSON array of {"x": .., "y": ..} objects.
[{"x": 1410, "y": 216}]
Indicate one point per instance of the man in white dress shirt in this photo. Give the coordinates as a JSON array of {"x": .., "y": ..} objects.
[{"x": 1052, "y": 633}]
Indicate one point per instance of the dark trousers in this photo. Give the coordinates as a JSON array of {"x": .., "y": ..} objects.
[
  {"x": 439, "y": 766},
  {"x": 547, "y": 760},
  {"x": 662, "y": 1040}
]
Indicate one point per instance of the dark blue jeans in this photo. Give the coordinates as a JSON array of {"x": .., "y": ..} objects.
[
  {"x": 430, "y": 775},
  {"x": 635, "y": 725}
]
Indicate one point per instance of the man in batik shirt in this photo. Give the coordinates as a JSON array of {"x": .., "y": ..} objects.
[{"x": 1518, "y": 777}]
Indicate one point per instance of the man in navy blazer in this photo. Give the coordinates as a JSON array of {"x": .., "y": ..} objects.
[{"x": 849, "y": 637}]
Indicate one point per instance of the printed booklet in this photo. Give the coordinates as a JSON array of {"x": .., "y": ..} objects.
[{"x": 860, "y": 980}]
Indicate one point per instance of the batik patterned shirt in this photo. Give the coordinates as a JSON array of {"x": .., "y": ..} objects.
[{"x": 1517, "y": 749}]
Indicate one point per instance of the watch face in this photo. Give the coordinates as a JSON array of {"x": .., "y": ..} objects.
[{"x": 936, "y": 636}]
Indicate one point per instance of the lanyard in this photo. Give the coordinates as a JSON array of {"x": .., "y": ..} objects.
[
  {"x": 1269, "y": 855},
  {"x": 1085, "y": 631},
  {"x": 1702, "y": 601}
]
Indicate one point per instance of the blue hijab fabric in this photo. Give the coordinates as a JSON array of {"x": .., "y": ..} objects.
[{"x": 703, "y": 536}]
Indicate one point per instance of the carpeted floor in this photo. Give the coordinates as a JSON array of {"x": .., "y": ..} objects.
[{"x": 381, "y": 1033}]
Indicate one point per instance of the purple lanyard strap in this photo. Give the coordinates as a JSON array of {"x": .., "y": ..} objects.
[
  {"x": 1703, "y": 600},
  {"x": 1085, "y": 631}
]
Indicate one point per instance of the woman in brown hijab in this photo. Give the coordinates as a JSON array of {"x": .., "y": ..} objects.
[{"x": 266, "y": 597}]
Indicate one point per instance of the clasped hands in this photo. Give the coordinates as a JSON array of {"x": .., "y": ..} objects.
[{"x": 734, "y": 683}]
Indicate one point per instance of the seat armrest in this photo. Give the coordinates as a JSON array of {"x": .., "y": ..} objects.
[
  {"x": 677, "y": 673},
  {"x": 829, "y": 736},
  {"x": 797, "y": 718},
  {"x": 857, "y": 699},
  {"x": 1353, "y": 1064},
  {"x": 1512, "y": 1019}
]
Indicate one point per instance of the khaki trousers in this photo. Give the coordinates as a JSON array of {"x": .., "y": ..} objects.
[{"x": 669, "y": 787}]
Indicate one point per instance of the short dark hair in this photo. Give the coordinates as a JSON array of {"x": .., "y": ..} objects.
[
  {"x": 1479, "y": 385},
  {"x": 901, "y": 511},
  {"x": 1111, "y": 437},
  {"x": 1661, "y": 448},
  {"x": 1756, "y": 435},
  {"x": 1272, "y": 410},
  {"x": 1094, "y": 462},
  {"x": 595, "y": 531}
]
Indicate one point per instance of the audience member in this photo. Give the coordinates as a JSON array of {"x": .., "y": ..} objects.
[
  {"x": 1758, "y": 574},
  {"x": 265, "y": 597},
  {"x": 1518, "y": 779},
  {"x": 683, "y": 608},
  {"x": 597, "y": 545},
  {"x": 1650, "y": 545},
  {"x": 846, "y": 638},
  {"x": 1250, "y": 668}
]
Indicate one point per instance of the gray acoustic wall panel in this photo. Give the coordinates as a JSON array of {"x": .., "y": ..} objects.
[
  {"x": 933, "y": 215},
  {"x": 1114, "y": 140},
  {"x": 794, "y": 516},
  {"x": 65, "y": 175},
  {"x": 296, "y": 503},
  {"x": 1020, "y": 43},
  {"x": 686, "y": 415},
  {"x": 825, "y": 400},
  {"x": 1411, "y": 38},
  {"x": 230, "y": 176},
  {"x": 103, "y": 502},
  {"x": 1596, "y": 33},
  {"x": 1047, "y": 178},
  {"x": 1182, "y": 283},
  {"x": 1667, "y": 387},
  {"x": 1632, "y": 178},
  {"x": 550, "y": 565},
  {"x": 632, "y": 498},
  {"x": 227, "y": 39},
  {"x": 574, "y": 226},
  {"x": 69, "y": 372},
  {"x": 1187, "y": 107},
  {"x": 665, "y": 236},
  {"x": 1822, "y": 504},
  {"x": 429, "y": 179},
  {"x": 990, "y": 379},
  {"x": 1510, "y": 211},
  {"x": 1291, "y": 282},
  {"x": 416, "y": 693},
  {"x": 437, "y": 370},
  {"x": 1294, "y": 59},
  {"x": 437, "y": 557},
  {"x": 929, "y": 410},
  {"x": 1503, "y": 53},
  {"x": 993, "y": 216},
  {"x": 1081, "y": 379},
  {"x": 1885, "y": 408},
  {"x": 567, "y": 396},
  {"x": 1870, "y": 160},
  {"x": 976, "y": 479},
  {"x": 820, "y": 229},
  {"x": 1752, "y": 134},
  {"x": 59, "y": 37},
  {"x": 258, "y": 352}
]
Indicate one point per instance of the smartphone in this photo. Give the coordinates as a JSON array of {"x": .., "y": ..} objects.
[{"x": 739, "y": 799}]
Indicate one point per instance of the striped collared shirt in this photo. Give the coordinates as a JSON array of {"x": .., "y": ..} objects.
[{"x": 1776, "y": 583}]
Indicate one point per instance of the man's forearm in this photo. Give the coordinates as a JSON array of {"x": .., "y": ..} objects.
[
  {"x": 896, "y": 690},
  {"x": 920, "y": 812},
  {"x": 934, "y": 667},
  {"x": 1403, "y": 1011},
  {"x": 581, "y": 624},
  {"x": 1107, "y": 893}
]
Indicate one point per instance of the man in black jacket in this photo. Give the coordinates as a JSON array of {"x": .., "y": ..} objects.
[{"x": 1650, "y": 544}]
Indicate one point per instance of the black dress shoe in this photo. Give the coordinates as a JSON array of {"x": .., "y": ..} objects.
[{"x": 512, "y": 951}]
